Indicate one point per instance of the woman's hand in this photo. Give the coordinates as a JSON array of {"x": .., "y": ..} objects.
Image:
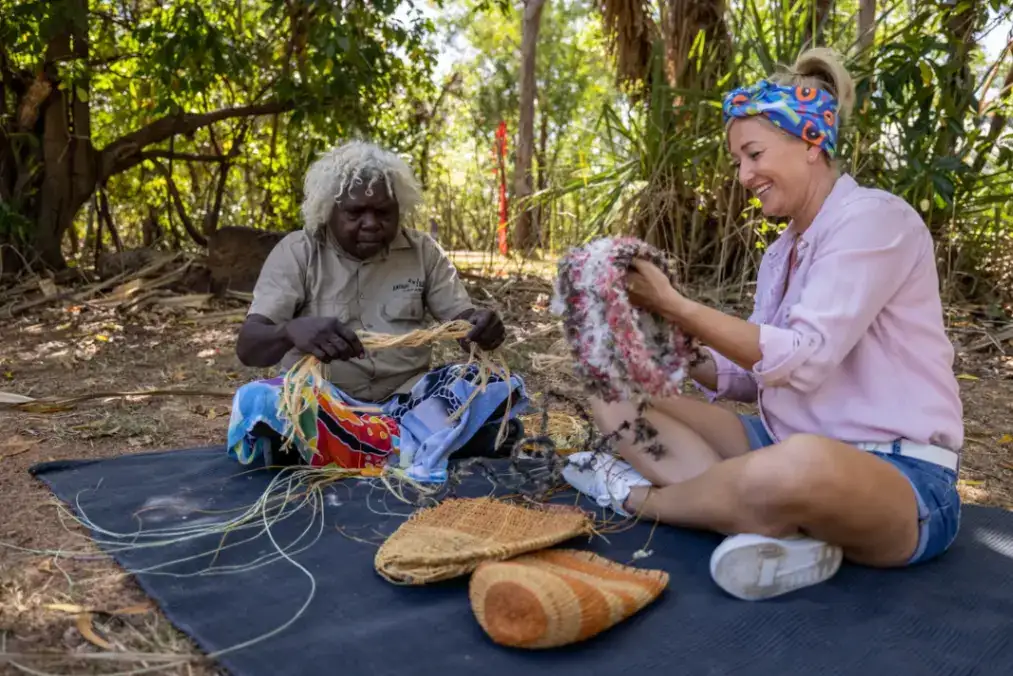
[
  {"x": 325, "y": 338},
  {"x": 649, "y": 288}
]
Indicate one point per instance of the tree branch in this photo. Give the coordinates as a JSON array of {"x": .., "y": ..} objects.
[
  {"x": 178, "y": 201},
  {"x": 186, "y": 157},
  {"x": 126, "y": 151}
]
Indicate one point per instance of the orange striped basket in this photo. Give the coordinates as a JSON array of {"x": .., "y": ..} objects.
[{"x": 558, "y": 596}]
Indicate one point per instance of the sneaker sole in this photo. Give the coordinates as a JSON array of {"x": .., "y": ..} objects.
[{"x": 768, "y": 568}]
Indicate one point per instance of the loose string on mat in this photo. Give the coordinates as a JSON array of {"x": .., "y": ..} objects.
[{"x": 301, "y": 384}]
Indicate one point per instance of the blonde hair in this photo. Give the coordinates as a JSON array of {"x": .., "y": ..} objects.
[
  {"x": 356, "y": 163},
  {"x": 821, "y": 68}
]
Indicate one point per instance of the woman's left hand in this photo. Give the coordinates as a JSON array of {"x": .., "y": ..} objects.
[{"x": 649, "y": 288}]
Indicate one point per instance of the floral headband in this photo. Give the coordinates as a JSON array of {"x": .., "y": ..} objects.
[{"x": 810, "y": 114}]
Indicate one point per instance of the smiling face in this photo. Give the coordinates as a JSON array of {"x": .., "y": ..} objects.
[
  {"x": 365, "y": 224},
  {"x": 779, "y": 169}
]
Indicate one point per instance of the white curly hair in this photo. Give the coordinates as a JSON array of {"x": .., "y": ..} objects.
[{"x": 338, "y": 171}]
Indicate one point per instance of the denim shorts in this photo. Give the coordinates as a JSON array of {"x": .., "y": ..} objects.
[{"x": 935, "y": 489}]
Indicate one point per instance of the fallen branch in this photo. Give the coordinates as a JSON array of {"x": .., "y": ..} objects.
[
  {"x": 995, "y": 340},
  {"x": 224, "y": 316},
  {"x": 49, "y": 404},
  {"x": 87, "y": 293}
]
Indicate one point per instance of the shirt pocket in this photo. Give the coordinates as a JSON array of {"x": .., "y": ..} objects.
[
  {"x": 329, "y": 307},
  {"x": 403, "y": 309}
]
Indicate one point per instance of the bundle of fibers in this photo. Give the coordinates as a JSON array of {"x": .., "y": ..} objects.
[
  {"x": 556, "y": 597},
  {"x": 301, "y": 392},
  {"x": 620, "y": 352},
  {"x": 453, "y": 538}
]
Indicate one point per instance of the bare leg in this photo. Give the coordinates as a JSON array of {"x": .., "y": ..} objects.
[
  {"x": 829, "y": 490},
  {"x": 696, "y": 436}
]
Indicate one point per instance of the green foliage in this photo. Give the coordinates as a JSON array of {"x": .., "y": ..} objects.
[
  {"x": 342, "y": 70},
  {"x": 606, "y": 160},
  {"x": 921, "y": 130},
  {"x": 574, "y": 80}
]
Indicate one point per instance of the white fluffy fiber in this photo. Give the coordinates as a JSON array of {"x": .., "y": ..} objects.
[
  {"x": 599, "y": 355},
  {"x": 351, "y": 165}
]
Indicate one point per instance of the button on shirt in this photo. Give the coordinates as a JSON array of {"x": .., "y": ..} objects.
[
  {"x": 389, "y": 293},
  {"x": 851, "y": 329}
]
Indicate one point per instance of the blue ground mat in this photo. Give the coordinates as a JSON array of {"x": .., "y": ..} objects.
[{"x": 950, "y": 616}]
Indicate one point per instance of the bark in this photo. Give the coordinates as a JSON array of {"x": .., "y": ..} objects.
[
  {"x": 866, "y": 25},
  {"x": 682, "y": 22},
  {"x": 127, "y": 151},
  {"x": 524, "y": 235},
  {"x": 543, "y": 175},
  {"x": 177, "y": 201},
  {"x": 819, "y": 16},
  {"x": 56, "y": 207},
  {"x": 212, "y": 216},
  {"x": 107, "y": 216}
]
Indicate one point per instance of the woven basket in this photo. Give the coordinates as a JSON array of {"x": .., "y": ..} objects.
[
  {"x": 557, "y": 597},
  {"x": 453, "y": 538}
]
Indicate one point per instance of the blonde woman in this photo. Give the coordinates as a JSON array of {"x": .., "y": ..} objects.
[{"x": 855, "y": 451}]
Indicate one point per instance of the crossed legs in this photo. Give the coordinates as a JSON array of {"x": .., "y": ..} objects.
[{"x": 709, "y": 479}]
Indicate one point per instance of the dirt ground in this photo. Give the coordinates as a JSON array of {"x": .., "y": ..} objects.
[{"x": 54, "y": 611}]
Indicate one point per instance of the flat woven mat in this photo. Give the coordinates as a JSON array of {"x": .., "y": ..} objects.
[{"x": 950, "y": 616}]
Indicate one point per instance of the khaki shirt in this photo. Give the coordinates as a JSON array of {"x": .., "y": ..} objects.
[{"x": 389, "y": 293}]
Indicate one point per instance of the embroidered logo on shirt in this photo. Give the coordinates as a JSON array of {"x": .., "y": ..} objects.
[{"x": 411, "y": 285}]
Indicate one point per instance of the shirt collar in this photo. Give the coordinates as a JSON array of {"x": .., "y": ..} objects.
[
  {"x": 783, "y": 244},
  {"x": 400, "y": 240},
  {"x": 844, "y": 186}
]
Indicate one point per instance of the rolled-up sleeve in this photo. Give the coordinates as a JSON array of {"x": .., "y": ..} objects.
[
  {"x": 855, "y": 273},
  {"x": 281, "y": 287},
  {"x": 733, "y": 381}
]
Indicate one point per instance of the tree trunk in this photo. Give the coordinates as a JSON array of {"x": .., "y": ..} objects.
[
  {"x": 543, "y": 176},
  {"x": 45, "y": 180},
  {"x": 524, "y": 234},
  {"x": 866, "y": 25},
  {"x": 815, "y": 27},
  {"x": 682, "y": 22},
  {"x": 177, "y": 200}
]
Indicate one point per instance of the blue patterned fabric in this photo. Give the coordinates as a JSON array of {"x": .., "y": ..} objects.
[
  {"x": 810, "y": 114},
  {"x": 427, "y": 435}
]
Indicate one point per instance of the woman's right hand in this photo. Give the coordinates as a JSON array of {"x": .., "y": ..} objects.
[
  {"x": 649, "y": 288},
  {"x": 325, "y": 338}
]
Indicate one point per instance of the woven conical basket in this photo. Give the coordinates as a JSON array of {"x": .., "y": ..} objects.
[
  {"x": 556, "y": 597},
  {"x": 453, "y": 538}
]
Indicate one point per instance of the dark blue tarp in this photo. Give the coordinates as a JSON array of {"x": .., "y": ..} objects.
[{"x": 951, "y": 616}]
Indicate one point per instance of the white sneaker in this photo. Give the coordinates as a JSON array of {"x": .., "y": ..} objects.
[
  {"x": 604, "y": 479},
  {"x": 755, "y": 567}
]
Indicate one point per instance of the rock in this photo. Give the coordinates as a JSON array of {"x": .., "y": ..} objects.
[{"x": 236, "y": 255}]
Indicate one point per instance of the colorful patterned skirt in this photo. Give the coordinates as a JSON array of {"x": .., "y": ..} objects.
[{"x": 413, "y": 431}]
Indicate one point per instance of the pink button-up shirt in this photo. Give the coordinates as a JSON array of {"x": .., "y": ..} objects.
[{"x": 855, "y": 348}]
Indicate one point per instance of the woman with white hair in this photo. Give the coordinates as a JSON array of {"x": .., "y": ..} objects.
[
  {"x": 855, "y": 451},
  {"x": 354, "y": 267}
]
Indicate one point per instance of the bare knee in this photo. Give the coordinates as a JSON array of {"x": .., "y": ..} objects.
[
  {"x": 610, "y": 417},
  {"x": 779, "y": 485}
]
